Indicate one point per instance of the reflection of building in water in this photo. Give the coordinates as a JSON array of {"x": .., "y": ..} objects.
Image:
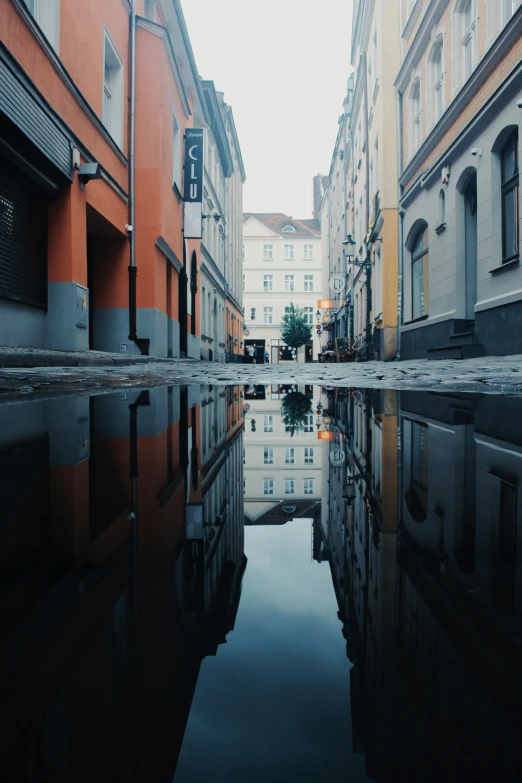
[
  {"x": 103, "y": 628},
  {"x": 431, "y": 605},
  {"x": 283, "y": 458}
]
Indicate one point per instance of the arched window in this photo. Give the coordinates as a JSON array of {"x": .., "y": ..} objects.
[
  {"x": 510, "y": 190},
  {"x": 437, "y": 80},
  {"x": 415, "y": 116},
  {"x": 419, "y": 275}
]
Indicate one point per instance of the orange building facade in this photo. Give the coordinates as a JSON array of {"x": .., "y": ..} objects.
[{"x": 95, "y": 99}]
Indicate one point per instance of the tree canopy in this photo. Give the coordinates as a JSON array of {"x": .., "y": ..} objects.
[
  {"x": 295, "y": 408},
  {"x": 295, "y": 331}
]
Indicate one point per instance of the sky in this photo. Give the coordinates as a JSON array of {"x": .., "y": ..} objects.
[{"x": 283, "y": 66}]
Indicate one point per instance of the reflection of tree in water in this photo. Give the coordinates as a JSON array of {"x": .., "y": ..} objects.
[{"x": 295, "y": 408}]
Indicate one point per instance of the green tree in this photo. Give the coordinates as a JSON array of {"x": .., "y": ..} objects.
[
  {"x": 295, "y": 331},
  {"x": 295, "y": 407}
]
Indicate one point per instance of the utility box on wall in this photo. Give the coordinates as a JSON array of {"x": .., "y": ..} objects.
[{"x": 82, "y": 307}]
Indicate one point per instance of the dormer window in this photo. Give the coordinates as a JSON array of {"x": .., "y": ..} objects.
[{"x": 288, "y": 229}]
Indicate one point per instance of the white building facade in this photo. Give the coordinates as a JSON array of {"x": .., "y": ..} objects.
[{"x": 282, "y": 264}]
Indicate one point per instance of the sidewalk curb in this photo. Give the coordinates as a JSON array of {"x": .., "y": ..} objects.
[{"x": 33, "y": 359}]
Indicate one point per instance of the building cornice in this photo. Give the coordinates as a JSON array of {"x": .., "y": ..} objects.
[
  {"x": 162, "y": 32},
  {"x": 508, "y": 37},
  {"x": 420, "y": 43},
  {"x": 412, "y": 19},
  {"x": 65, "y": 76}
]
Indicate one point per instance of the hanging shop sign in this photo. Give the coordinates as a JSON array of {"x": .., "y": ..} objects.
[
  {"x": 337, "y": 283},
  {"x": 193, "y": 173},
  {"x": 337, "y": 457}
]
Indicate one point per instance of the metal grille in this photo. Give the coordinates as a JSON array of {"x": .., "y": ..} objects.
[{"x": 23, "y": 240}]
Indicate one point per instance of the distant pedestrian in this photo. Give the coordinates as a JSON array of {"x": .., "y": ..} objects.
[
  {"x": 251, "y": 352},
  {"x": 267, "y": 357}
]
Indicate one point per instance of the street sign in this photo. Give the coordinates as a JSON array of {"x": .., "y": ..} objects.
[
  {"x": 246, "y": 332},
  {"x": 337, "y": 283}
]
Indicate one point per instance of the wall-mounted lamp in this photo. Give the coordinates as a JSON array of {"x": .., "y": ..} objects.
[{"x": 88, "y": 171}]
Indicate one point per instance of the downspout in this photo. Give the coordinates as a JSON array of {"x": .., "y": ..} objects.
[
  {"x": 142, "y": 344},
  {"x": 401, "y": 227}
]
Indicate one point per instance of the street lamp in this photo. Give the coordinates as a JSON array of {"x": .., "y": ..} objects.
[
  {"x": 348, "y": 246},
  {"x": 318, "y": 316}
]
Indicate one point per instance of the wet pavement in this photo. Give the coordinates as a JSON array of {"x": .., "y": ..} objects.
[
  {"x": 261, "y": 582},
  {"x": 494, "y": 374}
]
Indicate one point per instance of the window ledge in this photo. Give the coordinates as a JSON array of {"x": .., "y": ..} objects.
[
  {"x": 417, "y": 320},
  {"x": 440, "y": 228},
  {"x": 514, "y": 262}
]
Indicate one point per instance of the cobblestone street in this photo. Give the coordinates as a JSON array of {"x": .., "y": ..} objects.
[{"x": 493, "y": 375}]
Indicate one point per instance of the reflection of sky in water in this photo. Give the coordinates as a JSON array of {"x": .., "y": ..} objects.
[{"x": 274, "y": 705}]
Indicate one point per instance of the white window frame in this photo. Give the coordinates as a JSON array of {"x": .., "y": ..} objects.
[
  {"x": 268, "y": 283},
  {"x": 149, "y": 10},
  {"x": 513, "y": 4},
  {"x": 309, "y": 315},
  {"x": 289, "y": 252},
  {"x": 309, "y": 283},
  {"x": 309, "y": 455},
  {"x": 244, "y": 252},
  {"x": 290, "y": 455},
  {"x": 268, "y": 455},
  {"x": 415, "y": 116},
  {"x": 468, "y": 39},
  {"x": 268, "y": 252},
  {"x": 309, "y": 422},
  {"x": 47, "y": 14},
  {"x": 289, "y": 283},
  {"x": 268, "y": 422},
  {"x": 268, "y": 486},
  {"x": 308, "y": 486},
  {"x": 268, "y": 316},
  {"x": 113, "y": 89},
  {"x": 308, "y": 252},
  {"x": 289, "y": 486},
  {"x": 437, "y": 80},
  {"x": 244, "y": 282}
]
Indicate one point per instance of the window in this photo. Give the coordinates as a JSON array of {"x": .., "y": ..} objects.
[
  {"x": 47, "y": 14},
  {"x": 289, "y": 252},
  {"x": 309, "y": 422},
  {"x": 290, "y": 455},
  {"x": 244, "y": 252},
  {"x": 149, "y": 10},
  {"x": 289, "y": 282},
  {"x": 268, "y": 486},
  {"x": 417, "y": 444},
  {"x": 268, "y": 283},
  {"x": 442, "y": 207},
  {"x": 268, "y": 315},
  {"x": 268, "y": 423},
  {"x": 415, "y": 110},
  {"x": 268, "y": 252},
  {"x": 243, "y": 282},
  {"x": 244, "y": 487},
  {"x": 176, "y": 152},
  {"x": 308, "y": 283},
  {"x": 438, "y": 76},
  {"x": 510, "y": 190},
  {"x": 308, "y": 313},
  {"x": 309, "y": 455},
  {"x": 288, "y": 229},
  {"x": 309, "y": 486},
  {"x": 308, "y": 252},
  {"x": 508, "y": 9},
  {"x": 419, "y": 275},
  {"x": 289, "y": 486},
  {"x": 468, "y": 38},
  {"x": 112, "y": 113},
  {"x": 268, "y": 455}
]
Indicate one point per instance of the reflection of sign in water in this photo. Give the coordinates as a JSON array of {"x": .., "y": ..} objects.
[
  {"x": 337, "y": 283},
  {"x": 337, "y": 457}
]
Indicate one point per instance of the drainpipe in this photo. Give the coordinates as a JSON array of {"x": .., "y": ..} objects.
[
  {"x": 142, "y": 344},
  {"x": 401, "y": 227}
]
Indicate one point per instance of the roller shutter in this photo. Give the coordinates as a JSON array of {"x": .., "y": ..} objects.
[{"x": 23, "y": 239}]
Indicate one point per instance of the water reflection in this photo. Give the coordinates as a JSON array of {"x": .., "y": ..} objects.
[
  {"x": 422, "y": 533},
  {"x": 122, "y": 565},
  {"x": 121, "y": 569}
]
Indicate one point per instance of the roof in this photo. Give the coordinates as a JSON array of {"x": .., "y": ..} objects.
[{"x": 276, "y": 221}]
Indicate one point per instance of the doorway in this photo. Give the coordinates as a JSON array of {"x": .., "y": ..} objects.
[
  {"x": 309, "y": 352},
  {"x": 470, "y": 245},
  {"x": 182, "y": 310}
]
